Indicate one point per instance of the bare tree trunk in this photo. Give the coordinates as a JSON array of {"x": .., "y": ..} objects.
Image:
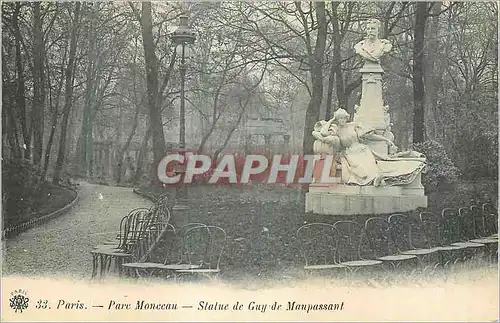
[
  {"x": 8, "y": 119},
  {"x": 432, "y": 75},
  {"x": 55, "y": 112},
  {"x": 313, "y": 109},
  {"x": 21, "y": 90},
  {"x": 336, "y": 69},
  {"x": 418, "y": 72},
  {"x": 68, "y": 96},
  {"x": 38, "y": 84},
  {"x": 139, "y": 171},
  {"x": 152, "y": 83},
  {"x": 127, "y": 144}
]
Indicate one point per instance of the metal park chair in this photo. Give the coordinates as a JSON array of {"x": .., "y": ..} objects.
[
  {"x": 349, "y": 236},
  {"x": 319, "y": 247},
  {"x": 465, "y": 230},
  {"x": 490, "y": 225},
  {"x": 132, "y": 230},
  {"x": 480, "y": 232},
  {"x": 453, "y": 235},
  {"x": 161, "y": 216},
  {"x": 114, "y": 243},
  {"x": 378, "y": 233},
  {"x": 204, "y": 256},
  {"x": 490, "y": 215},
  {"x": 169, "y": 265},
  {"x": 403, "y": 230},
  {"x": 164, "y": 206},
  {"x": 432, "y": 226}
]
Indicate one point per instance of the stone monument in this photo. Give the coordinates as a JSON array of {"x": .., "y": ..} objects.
[{"x": 374, "y": 177}]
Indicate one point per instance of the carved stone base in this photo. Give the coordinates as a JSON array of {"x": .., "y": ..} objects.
[{"x": 363, "y": 200}]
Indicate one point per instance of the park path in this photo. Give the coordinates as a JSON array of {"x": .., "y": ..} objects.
[{"x": 62, "y": 246}]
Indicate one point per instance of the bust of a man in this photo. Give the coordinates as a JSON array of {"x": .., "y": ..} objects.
[{"x": 372, "y": 48}]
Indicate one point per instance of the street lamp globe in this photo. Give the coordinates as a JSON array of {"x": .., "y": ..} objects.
[{"x": 183, "y": 34}]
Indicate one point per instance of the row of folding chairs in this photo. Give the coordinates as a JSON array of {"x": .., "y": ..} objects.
[
  {"x": 197, "y": 249},
  {"x": 139, "y": 230},
  {"x": 428, "y": 240}
]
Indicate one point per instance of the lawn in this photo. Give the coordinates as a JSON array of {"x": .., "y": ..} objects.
[
  {"x": 48, "y": 199},
  {"x": 261, "y": 222}
]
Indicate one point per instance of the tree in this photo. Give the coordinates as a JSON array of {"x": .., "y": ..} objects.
[
  {"x": 68, "y": 96},
  {"x": 315, "y": 57},
  {"x": 21, "y": 88},
  {"x": 38, "y": 109},
  {"x": 152, "y": 83}
]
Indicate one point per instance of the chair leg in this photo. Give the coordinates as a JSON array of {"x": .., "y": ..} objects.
[
  {"x": 94, "y": 265},
  {"x": 102, "y": 264}
]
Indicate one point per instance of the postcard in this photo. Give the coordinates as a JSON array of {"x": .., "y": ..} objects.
[{"x": 249, "y": 161}]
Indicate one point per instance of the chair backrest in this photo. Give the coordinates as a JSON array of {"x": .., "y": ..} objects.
[
  {"x": 128, "y": 227},
  {"x": 431, "y": 227},
  {"x": 140, "y": 222},
  {"x": 349, "y": 236},
  {"x": 490, "y": 214},
  {"x": 401, "y": 231},
  {"x": 479, "y": 221},
  {"x": 124, "y": 227},
  {"x": 451, "y": 226},
  {"x": 161, "y": 210},
  {"x": 163, "y": 205},
  {"x": 466, "y": 224},
  {"x": 317, "y": 243},
  {"x": 378, "y": 234},
  {"x": 204, "y": 245},
  {"x": 176, "y": 252}
]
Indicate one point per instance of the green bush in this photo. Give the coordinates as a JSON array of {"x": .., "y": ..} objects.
[
  {"x": 441, "y": 171},
  {"x": 20, "y": 185},
  {"x": 482, "y": 156}
]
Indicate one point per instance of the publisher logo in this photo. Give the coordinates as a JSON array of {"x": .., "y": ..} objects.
[{"x": 19, "y": 300}]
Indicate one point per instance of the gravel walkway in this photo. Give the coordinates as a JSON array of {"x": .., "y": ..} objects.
[{"x": 62, "y": 246}]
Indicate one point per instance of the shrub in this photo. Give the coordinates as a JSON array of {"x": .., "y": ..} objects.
[
  {"x": 440, "y": 168},
  {"x": 21, "y": 183},
  {"x": 482, "y": 156}
]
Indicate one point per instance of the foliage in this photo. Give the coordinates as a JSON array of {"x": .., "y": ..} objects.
[
  {"x": 250, "y": 59},
  {"x": 482, "y": 162},
  {"x": 440, "y": 168},
  {"x": 21, "y": 182}
]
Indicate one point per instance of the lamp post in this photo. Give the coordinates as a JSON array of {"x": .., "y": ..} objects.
[{"x": 182, "y": 37}]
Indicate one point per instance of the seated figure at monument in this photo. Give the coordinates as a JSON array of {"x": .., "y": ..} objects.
[
  {"x": 326, "y": 135},
  {"x": 363, "y": 166}
]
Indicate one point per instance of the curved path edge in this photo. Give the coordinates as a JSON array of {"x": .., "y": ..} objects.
[
  {"x": 18, "y": 228},
  {"x": 147, "y": 196}
]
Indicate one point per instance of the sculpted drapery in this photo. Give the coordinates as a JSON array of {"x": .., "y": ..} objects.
[{"x": 360, "y": 164}]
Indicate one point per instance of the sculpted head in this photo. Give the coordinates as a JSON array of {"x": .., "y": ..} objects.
[
  {"x": 372, "y": 28},
  {"x": 341, "y": 116}
]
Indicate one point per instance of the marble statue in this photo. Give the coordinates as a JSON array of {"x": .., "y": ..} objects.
[
  {"x": 372, "y": 48},
  {"x": 326, "y": 135},
  {"x": 374, "y": 177},
  {"x": 360, "y": 164}
]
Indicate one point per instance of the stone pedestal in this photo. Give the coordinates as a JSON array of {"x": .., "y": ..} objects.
[
  {"x": 373, "y": 118},
  {"x": 371, "y": 113},
  {"x": 363, "y": 200}
]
